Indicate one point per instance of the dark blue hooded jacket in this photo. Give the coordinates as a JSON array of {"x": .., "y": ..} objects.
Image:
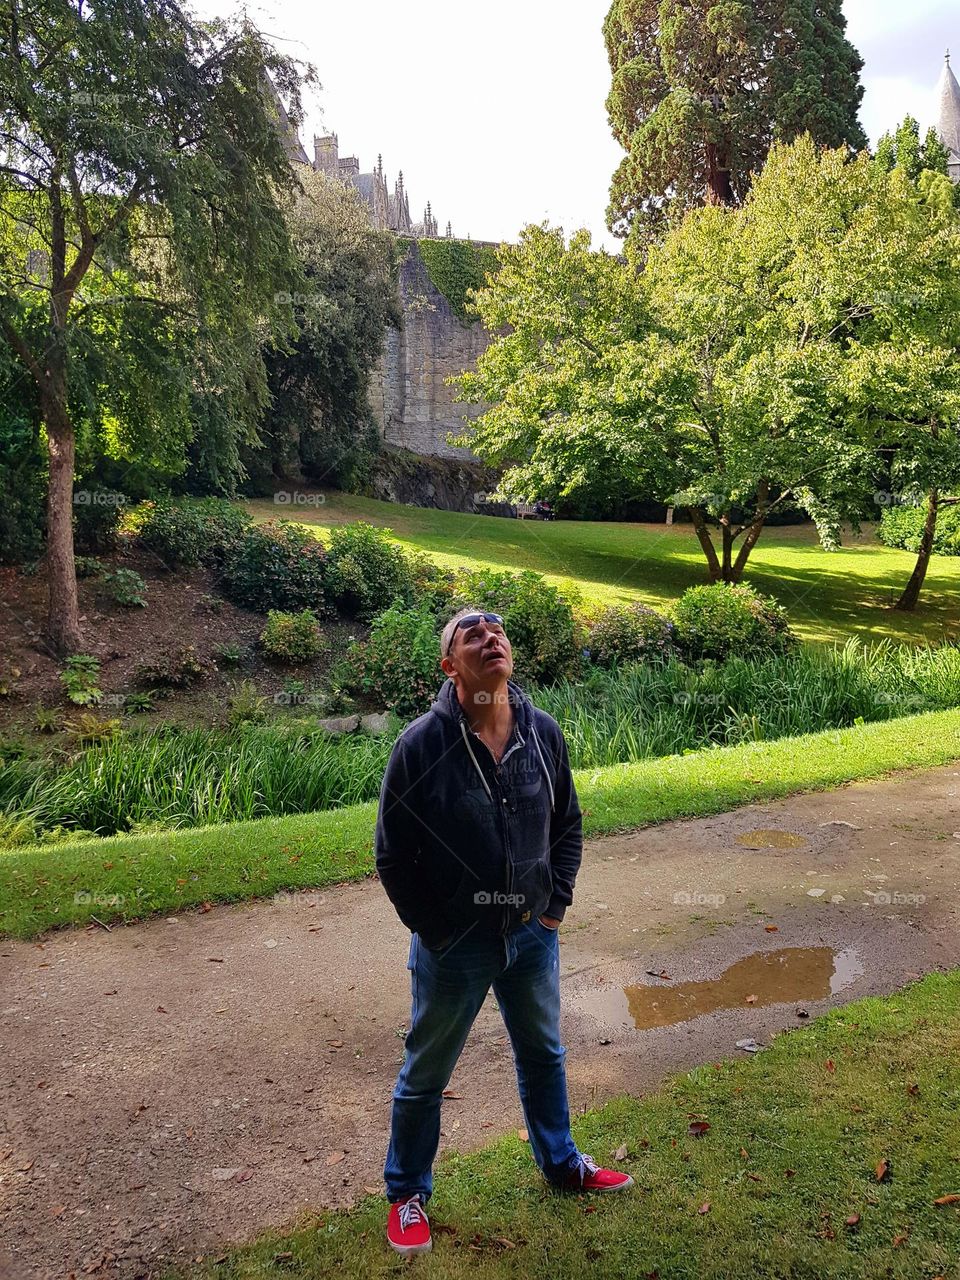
[{"x": 464, "y": 843}]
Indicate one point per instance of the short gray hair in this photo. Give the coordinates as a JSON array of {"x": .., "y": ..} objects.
[{"x": 450, "y": 630}]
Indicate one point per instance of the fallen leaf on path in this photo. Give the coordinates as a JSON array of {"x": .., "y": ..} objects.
[
  {"x": 215, "y": 959},
  {"x": 853, "y": 1220},
  {"x": 772, "y": 928},
  {"x": 621, "y": 1152},
  {"x": 206, "y": 906},
  {"x": 334, "y": 1158},
  {"x": 913, "y": 1089},
  {"x": 950, "y": 1199},
  {"x": 486, "y": 1124},
  {"x": 375, "y": 1191},
  {"x": 745, "y": 1154},
  {"x": 830, "y": 1065},
  {"x": 523, "y": 1135},
  {"x": 243, "y": 1175},
  {"x": 662, "y": 974},
  {"x": 899, "y": 1240},
  {"x": 751, "y": 1000},
  {"x": 335, "y": 1044},
  {"x": 452, "y": 1095},
  {"x": 161, "y": 1009},
  {"x": 882, "y": 1171},
  {"x": 698, "y": 1128},
  {"x": 503, "y": 1242},
  {"x": 705, "y": 1207}
]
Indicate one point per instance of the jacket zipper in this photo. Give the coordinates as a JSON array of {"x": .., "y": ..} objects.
[{"x": 507, "y": 850}]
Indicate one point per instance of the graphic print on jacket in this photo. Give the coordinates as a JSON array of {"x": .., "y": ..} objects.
[{"x": 464, "y": 842}]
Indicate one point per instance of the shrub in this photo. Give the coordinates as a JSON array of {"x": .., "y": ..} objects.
[
  {"x": 366, "y": 572},
  {"x": 81, "y": 679},
  {"x": 727, "y": 619},
  {"x": 125, "y": 587},
  {"x": 89, "y": 728},
  {"x": 186, "y": 532},
  {"x": 292, "y": 637},
  {"x": 631, "y": 634},
  {"x": 276, "y": 566},
  {"x": 400, "y": 662},
  {"x": 902, "y": 527},
  {"x": 433, "y": 585},
  {"x": 96, "y": 518},
  {"x": 228, "y": 655},
  {"x": 246, "y": 705},
  {"x": 177, "y": 669},
  {"x": 538, "y": 620},
  {"x": 87, "y": 566}
]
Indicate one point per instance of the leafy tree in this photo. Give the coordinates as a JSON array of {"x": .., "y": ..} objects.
[
  {"x": 758, "y": 360},
  {"x": 140, "y": 164},
  {"x": 701, "y": 90},
  {"x": 320, "y": 420},
  {"x": 903, "y": 149}
]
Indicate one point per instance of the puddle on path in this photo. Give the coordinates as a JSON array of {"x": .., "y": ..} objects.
[
  {"x": 774, "y": 977},
  {"x": 768, "y": 839}
]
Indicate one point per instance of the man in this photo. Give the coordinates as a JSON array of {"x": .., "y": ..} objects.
[{"x": 478, "y": 844}]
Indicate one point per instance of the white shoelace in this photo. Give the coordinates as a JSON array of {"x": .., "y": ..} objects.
[
  {"x": 410, "y": 1213},
  {"x": 587, "y": 1165}
]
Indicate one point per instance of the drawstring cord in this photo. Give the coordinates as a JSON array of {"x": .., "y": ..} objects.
[{"x": 536, "y": 743}]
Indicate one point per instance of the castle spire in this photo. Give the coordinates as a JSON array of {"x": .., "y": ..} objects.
[{"x": 949, "y": 128}]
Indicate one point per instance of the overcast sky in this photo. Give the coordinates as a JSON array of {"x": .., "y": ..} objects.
[{"x": 496, "y": 113}]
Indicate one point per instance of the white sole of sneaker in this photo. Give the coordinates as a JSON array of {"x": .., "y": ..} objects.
[
  {"x": 407, "y": 1249},
  {"x": 605, "y": 1191}
]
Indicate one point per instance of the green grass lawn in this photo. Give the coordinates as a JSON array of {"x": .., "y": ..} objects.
[
  {"x": 828, "y": 595},
  {"x": 131, "y": 876},
  {"x": 784, "y": 1183}
]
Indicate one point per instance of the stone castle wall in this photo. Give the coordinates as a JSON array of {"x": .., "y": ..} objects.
[{"x": 413, "y": 406}]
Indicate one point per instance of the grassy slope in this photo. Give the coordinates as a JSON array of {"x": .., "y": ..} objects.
[
  {"x": 829, "y": 595},
  {"x": 790, "y": 1155},
  {"x": 170, "y": 871}
]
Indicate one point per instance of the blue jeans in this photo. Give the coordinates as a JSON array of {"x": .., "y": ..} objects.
[{"x": 448, "y": 989}]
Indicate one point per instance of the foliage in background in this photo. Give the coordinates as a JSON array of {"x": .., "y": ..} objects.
[
  {"x": 902, "y": 526},
  {"x": 187, "y": 532},
  {"x": 399, "y": 664},
  {"x": 366, "y": 570},
  {"x": 126, "y": 587},
  {"x": 700, "y": 93},
  {"x": 727, "y": 620},
  {"x": 292, "y": 637},
  {"x": 632, "y": 633},
  {"x": 456, "y": 267},
  {"x": 277, "y": 565},
  {"x": 320, "y": 423},
  {"x": 538, "y": 619},
  {"x": 80, "y": 678},
  {"x": 760, "y": 361}
]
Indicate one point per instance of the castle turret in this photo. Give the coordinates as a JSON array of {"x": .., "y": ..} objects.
[
  {"x": 950, "y": 118},
  {"x": 326, "y": 153}
]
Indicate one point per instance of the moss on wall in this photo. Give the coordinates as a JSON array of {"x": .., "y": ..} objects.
[{"x": 455, "y": 267}]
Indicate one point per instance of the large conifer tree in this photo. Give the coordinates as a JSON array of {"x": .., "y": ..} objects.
[{"x": 701, "y": 88}]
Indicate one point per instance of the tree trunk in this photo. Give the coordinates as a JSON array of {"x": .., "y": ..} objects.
[
  {"x": 726, "y": 534},
  {"x": 911, "y": 592},
  {"x": 703, "y": 535},
  {"x": 63, "y": 620},
  {"x": 719, "y": 186},
  {"x": 754, "y": 531}
]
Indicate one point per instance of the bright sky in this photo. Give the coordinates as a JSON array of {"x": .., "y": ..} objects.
[{"x": 495, "y": 112}]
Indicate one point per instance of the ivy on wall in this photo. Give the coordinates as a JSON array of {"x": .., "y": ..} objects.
[{"x": 455, "y": 267}]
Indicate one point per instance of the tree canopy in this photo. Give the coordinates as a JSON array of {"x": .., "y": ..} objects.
[
  {"x": 760, "y": 357},
  {"x": 141, "y": 162},
  {"x": 700, "y": 92}
]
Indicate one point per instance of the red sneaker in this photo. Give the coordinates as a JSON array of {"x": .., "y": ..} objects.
[
  {"x": 587, "y": 1177},
  {"x": 408, "y": 1227}
]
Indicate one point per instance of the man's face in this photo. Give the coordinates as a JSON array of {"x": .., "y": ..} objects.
[{"x": 481, "y": 653}]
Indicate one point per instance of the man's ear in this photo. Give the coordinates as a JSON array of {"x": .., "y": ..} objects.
[{"x": 448, "y": 666}]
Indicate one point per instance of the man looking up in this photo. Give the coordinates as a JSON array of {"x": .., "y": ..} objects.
[{"x": 478, "y": 844}]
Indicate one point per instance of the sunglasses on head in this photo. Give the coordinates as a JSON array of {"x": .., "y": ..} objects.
[{"x": 471, "y": 620}]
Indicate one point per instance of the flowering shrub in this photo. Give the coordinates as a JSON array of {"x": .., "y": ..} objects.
[
  {"x": 631, "y": 634},
  {"x": 726, "y": 619}
]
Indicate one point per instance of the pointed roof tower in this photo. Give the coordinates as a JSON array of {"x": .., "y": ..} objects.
[{"x": 950, "y": 117}]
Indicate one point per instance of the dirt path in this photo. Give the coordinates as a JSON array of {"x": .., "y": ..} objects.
[{"x": 173, "y": 1086}]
